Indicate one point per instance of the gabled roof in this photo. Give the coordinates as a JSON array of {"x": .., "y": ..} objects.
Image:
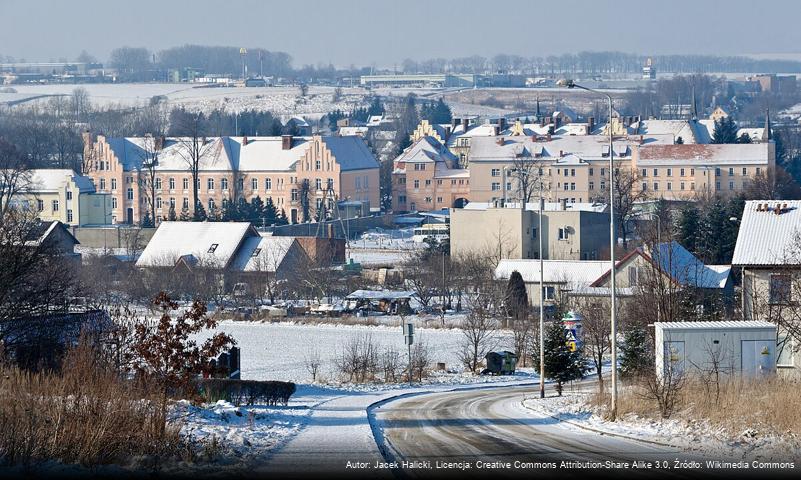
[
  {"x": 729, "y": 154},
  {"x": 262, "y": 254},
  {"x": 51, "y": 180},
  {"x": 768, "y": 238},
  {"x": 582, "y": 146},
  {"x": 208, "y": 244},
  {"x": 42, "y": 232},
  {"x": 351, "y": 153}
]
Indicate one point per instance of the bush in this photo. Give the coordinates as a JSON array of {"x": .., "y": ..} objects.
[{"x": 246, "y": 391}]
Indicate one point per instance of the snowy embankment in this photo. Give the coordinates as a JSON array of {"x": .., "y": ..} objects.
[{"x": 575, "y": 409}]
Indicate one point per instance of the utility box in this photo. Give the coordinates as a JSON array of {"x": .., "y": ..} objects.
[{"x": 738, "y": 348}]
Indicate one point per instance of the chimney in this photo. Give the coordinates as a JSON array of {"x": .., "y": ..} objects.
[
  {"x": 558, "y": 121},
  {"x": 562, "y": 204},
  {"x": 561, "y": 153},
  {"x": 159, "y": 142},
  {"x": 778, "y": 209},
  {"x": 542, "y": 121},
  {"x": 496, "y": 130},
  {"x": 454, "y": 122},
  {"x": 502, "y": 123},
  {"x": 590, "y": 125},
  {"x": 244, "y": 140},
  {"x": 548, "y": 136},
  {"x": 642, "y": 139},
  {"x": 465, "y": 124},
  {"x": 286, "y": 142},
  {"x": 500, "y": 141}
]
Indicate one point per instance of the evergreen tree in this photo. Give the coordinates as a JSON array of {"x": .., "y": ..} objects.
[
  {"x": 442, "y": 112},
  {"x": 171, "y": 213},
  {"x": 215, "y": 214},
  {"x": 185, "y": 215},
  {"x": 634, "y": 355},
  {"x": 516, "y": 297},
  {"x": 146, "y": 222},
  {"x": 687, "y": 227},
  {"x": 561, "y": 364},
  {"x": 679, "y": 141},
  {"x": 200, "y": 213},
  {"x": 712, "y": 232},
  {"x": 744, "y": 138},
  {"x": 725, "y": 131},
  {"x": 270, "y": 213},
  {"x": 281, "y": 219},
  {"x": 243, "y": 212},
  {"x": 409, "y": 119},
  {"x": 376, "y": 107}
]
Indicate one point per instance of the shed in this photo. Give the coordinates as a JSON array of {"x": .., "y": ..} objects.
[
  {"x": 745, "y": 348},
  {"x": 501, "y": 363}
]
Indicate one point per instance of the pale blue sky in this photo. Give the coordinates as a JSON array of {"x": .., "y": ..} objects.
[{"x": 366, "y": 32}]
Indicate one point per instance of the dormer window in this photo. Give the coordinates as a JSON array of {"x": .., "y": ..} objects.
[
  {"x": 605, "y": 151},
  {"x": 213, "y": 247},
  {"x": 256, "y": 252}
]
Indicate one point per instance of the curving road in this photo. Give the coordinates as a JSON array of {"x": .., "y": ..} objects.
[{"x": 491, "y": 425}]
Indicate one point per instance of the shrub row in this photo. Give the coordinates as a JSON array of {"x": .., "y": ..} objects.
[{"x": 246, "y": 392}]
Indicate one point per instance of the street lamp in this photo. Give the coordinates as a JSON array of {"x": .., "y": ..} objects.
[
  {"x": 612, "y": 237},
  {"x": 542, "y": 297}
]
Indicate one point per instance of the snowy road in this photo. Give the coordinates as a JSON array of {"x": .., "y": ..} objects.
[{"x": 492, "y": 426}]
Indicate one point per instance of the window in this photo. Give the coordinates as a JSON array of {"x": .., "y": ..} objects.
[
  {"x": 102, "y": 184},
  {"x": 572, "y": 186},
  {"x": 669, "y": 172},
  {"x": 644, "y": 172},
  {"x": 644, "y": 186},
  {"x": 211, "y": 204},
  {"x": 681, "y": 186},
  {"x": 417, "y": 184},
  {"x": 603, "y": 172},
  {"x": 567, "y": 186},
  {"x": 223, "y": 184},
  {"x": 509, "y": 186},
  {"x": 114, "y": 202},
  {"x": 439, "y": 182},
  {"x": 758, "y": 170},
  {"x": 294, "y": 195},
  {"x": 603, "y": 185},
  {"x": 591, "y": 186},
  {"x": 547, "y": 293},
  {"x": 717, "y": 185},
  {"x": 591, "y": 171},
  {"x": 254, "y": 183},
  {"x": 633, "y": 277},
  {"x": 318, "y": 183},
  {"x": 185, "y": 203},
  {"x": 365, "y": 182},
  {"x": 731, "y": 185},
  {"x": 268, "y": 184},
  {"x": 158, "y": 202},
  {"x": 213, "y": 247},
  {"x": 69, "y": 215},
  {"x": 692, "y": 185},
  {"x": 158, "y": 184},
  {"x": 731, "y": 171},
  {"x": 496, "y": 186},
  {"x": 186, "y": 184},
  {"x": 428, "y": 199},
  {"x": 572, "y": 172},
  {"x": 681, "y": 172},
  {"x": 130, "y": 193},
  {"x": 317, "y": 164},
  {"x": 210, "y": 184},
  {"x": 669, "y": 186},
  {"x": 780, "y": 289},
  {"x": 745, "y": 171},
  {"x": 534, "y": 232},
  {"x": 113, "y": 183},
  {"x": 401, "y": 198},
  {"x": 428, "y": 182},
  {"x": 692, "y": 172},
  {"x": 656, "y": 185},
  {"x": 565, "y": 172},
  {"x": 656, "y": 172},
  {"x": 563, "y": 234},
  {"x": 240, "y": 184},
  {"x": 717, "y": 171},
  {"x": 172, "y": 202},
  {"x": 69, "y": 195},
  {"x": 359, "y": 183},
  {"x": 171, "y": 183},
  {"x": 54, "y": 204},
  {"x": 496, "y": 172},
  {"x": 419, "y": 166}
]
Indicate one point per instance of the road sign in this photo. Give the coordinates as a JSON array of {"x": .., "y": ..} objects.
[{"x": 408, "y": 333}]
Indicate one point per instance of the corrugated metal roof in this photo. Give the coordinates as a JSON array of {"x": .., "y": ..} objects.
[
  {"x": 726, "y": 324},
  {"x": 766, "y": 238}
]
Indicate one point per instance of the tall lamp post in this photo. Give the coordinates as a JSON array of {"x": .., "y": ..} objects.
[
  {"x": 542, "y": 295},
  {"x": 612, "y": 238}
]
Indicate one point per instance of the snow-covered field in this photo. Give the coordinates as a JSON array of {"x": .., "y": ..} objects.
[
  {"x": 277, "y": 351},
  {"x": 278, "y": 100},
  {"x": 692, "y": 436}
]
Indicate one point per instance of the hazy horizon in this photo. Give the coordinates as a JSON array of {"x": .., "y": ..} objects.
[{"x": 367, "y": 33}]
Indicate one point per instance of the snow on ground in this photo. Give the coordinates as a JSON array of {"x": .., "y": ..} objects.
[
  {"x": 277, "y": 351},
  {"x": 690, "y": 435}
]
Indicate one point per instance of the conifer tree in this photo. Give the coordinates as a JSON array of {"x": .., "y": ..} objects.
[
  {"x": 634, "y": 354},
  {"x": 561, "y": 363},
  {"x": 516, "y": 297},
  {"x": 185, "y": 215},
  {"x": 171, "y": 213}
]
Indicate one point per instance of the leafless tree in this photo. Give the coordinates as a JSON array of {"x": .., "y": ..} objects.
[
  {"x": 595, "y": 327},
  {"x": 626, "y": 185},
  {"x": 15, "y": 177},
  {"x": 479, "y": 337},
  {"x": 312, "y": 362},
  {"x": 666, "y": 389},
  {"x": 194, "y": 148},
  {"x": 421, "y": 360},
  {"x": 523, "y": 332},
  {"x": 147, "y": 177},
  {"x": 528, "y": 173}
]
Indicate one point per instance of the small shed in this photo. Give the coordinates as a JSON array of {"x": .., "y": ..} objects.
[
  {"x": 385, "y": 301},
  {"x": 501, "y": 363},
  {"x": 746, "y": 348}
]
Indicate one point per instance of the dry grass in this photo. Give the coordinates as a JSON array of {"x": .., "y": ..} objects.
[
  {"x": 84, "y": 414},
  {"x": 766, "y": 404}
]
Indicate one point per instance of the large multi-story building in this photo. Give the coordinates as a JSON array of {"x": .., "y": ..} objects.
[
  {"x": 65, "y": 196},
  {"x": 296, "y": 173},
  {"x": 671, "y": 159}
]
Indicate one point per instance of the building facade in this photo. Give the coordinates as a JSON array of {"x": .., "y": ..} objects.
[
  {"x": 302, "y": 176},
  {"x": 65, "y": 196}
]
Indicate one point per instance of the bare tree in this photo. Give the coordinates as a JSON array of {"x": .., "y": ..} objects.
[
  {"x": 479, "y": 337},
  {"x": 595, "y": 326},
  {"x": 528, "y": 174},
  {"x": 146, "y": 177},
  {"x": 627, "y": 192},
  {"x": 312, "y": 362},
  {"x": 15, "y": 178},
  {"x": 194, "y": 148}
]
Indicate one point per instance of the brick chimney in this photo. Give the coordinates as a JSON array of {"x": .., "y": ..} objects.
[
  {"x": 286, "y": 142},
  {"x": 465, "y": 123},
  {"x": 500, "y": 141},
  {"x": 590, "y": 125},
  {"x": 244, "y": 140},
  {"x": 496, "y": 130}
]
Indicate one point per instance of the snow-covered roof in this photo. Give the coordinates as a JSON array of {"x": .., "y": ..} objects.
[
  {"x": 211, "y": 244},
  {"x": 676, "y": 128},
  {"x": 426, "y": 150},
  {"x": 695, "y": 154},
  {"x": 583, "y": 146},
  {"x": 726, "y": 324},
  {"x": 768, "y": 238},
  {"x": 380, "y": 295},
  {"x": 572, "y": 272},
  {"x": 687, "y": 269},
  {"x": 549, "y": 206},
  {"x": 262, "y": 254},
  {"x": 232, "y": 153},
  {"x": 52, "y": 180}
]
